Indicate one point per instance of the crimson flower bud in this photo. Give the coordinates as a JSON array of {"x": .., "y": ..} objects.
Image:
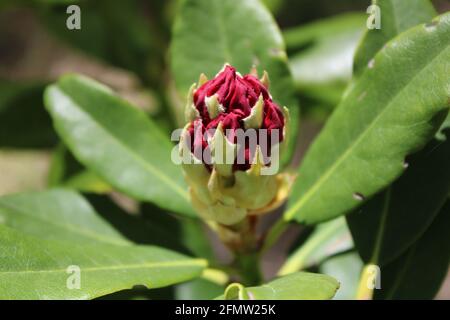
[{"x": 230, "y": 147}]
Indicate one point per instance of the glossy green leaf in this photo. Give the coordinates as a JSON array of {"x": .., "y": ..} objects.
[
  {"x": 303, "y": 35},
  {"x": 420, "y": 271},
  {"x": 32, "y": 268},
  {"x": 330, "y": 45},
  {"x": 328, "y": 61},
  {"x": 117, "y": 142},
  {"x": 328, "y": 239},
  {"x": 396, "y": 16},
  {"x": 209, "y": 33},
  {"x": 242, "y": 33},
  {"x": 59, "y": 215},
  {"x": 346, "y": 269},
  {"x": 64, "y": 215},
  {"x": 385, "y": 226},
  {"x": 394, "y": 108},
  {"x": 295, "y": 286}
]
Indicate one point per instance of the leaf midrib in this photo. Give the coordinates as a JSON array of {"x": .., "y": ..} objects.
[
  {"x": 336, "y": 164},
  {"x": 117, "y": 140},
  {"x": 179, "y": 263}
]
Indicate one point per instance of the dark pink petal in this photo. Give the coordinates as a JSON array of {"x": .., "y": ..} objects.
[{"x": 237, "y": 95}]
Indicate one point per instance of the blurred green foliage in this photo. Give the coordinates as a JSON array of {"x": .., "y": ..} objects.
[{"x": 321, "y": 37}]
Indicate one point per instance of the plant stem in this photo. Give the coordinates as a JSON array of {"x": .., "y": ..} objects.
[
  {"x": 249, "y": 267},
  {"x": 243, "y": 241}
]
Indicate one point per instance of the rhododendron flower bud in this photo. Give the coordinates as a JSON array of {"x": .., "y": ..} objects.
[{"x": 230, "y": 147}]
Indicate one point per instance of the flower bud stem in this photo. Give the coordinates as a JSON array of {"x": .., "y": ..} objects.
[
  {"x": 249, "y": 267},
  {"x": 243, "y": 240}
]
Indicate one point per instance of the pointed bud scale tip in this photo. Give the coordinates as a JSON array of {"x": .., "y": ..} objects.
[
  {"x": 213, "y": 106},
  {"x": 184, "y": 147},
  {"x": 190, "y": 112},
  {"x": 220, "y": 140},
  {"x": 254, "y": 120},
  {"x": 257, "y": 163},
  {"x": 202, "y": 79},
  {"x": 265, "y": 80},
  {"x": 224, "y": 152}
]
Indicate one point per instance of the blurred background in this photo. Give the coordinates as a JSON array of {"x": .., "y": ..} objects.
[{"x": 124, "y": 44}]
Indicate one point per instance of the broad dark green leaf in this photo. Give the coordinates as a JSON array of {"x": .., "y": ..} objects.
[
  {"x": 209, "y": 33},
  {"x": 394, "y": 108},
  {"x": 23, "y": 120},
  {"x": 64, "y": 215},
  {"x": 346, "y": 269},
  {"x": 420, "y": 271},
  {"x": 396, "y": 16},
  {"x": 328, "y": 239},
  {"x": 118, "y": 142},
  {"x": 242, "y": 33},
  {"x": 59, "y": 215},
  {"x": 385, "y": 226},
  {"x": 295, "y": 286},
  {"x": 32, "y": 268}
]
